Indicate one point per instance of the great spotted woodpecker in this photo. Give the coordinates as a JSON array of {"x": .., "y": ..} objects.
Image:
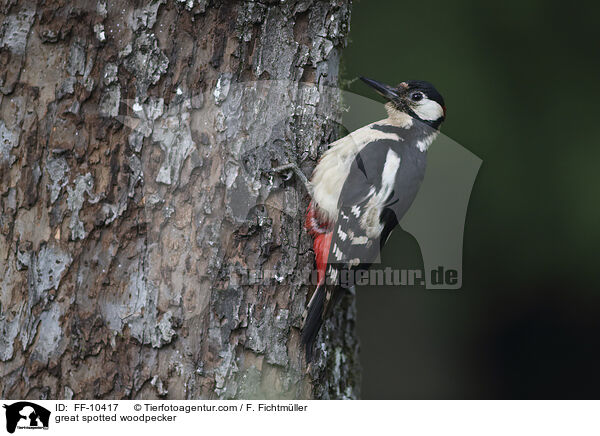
[{"x": 361, "y": 188}]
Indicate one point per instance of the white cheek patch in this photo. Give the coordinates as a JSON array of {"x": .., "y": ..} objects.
[{"x": 428, "y": 110}]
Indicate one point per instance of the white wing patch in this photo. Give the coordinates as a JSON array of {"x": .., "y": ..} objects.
[
  {"x": 355, "y": 211},
  {"x": 343, "y": 236},
  {"x": 370, "y": 221},
  {"x": 392, "y": 163},
  {"x": 337, "y": 252},
  {"x": 359, "y": 240}
]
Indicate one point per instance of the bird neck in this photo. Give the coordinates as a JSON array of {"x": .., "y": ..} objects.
[
  {"x": 397, "y": 117},
  {"x": 424, "y": 133}
]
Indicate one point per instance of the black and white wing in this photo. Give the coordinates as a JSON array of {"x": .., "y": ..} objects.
[{"x": 381, "y": 185}]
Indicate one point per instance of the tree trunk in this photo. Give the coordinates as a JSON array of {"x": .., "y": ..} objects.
[{"x": 147, "y": 250}]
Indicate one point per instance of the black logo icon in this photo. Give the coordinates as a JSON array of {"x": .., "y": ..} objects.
[{"x": 26, "y": 415}]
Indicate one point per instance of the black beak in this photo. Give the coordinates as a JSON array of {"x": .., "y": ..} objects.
[{"x": 385, "y": 90}]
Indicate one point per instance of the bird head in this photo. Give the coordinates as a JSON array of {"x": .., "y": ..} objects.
[{"x": 416, "y": 98}]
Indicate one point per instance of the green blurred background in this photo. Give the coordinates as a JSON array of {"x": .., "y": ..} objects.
[{"x": 520, "y": 80}]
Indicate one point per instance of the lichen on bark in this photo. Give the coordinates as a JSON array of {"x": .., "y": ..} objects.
[{"x": 148, "y": 250}]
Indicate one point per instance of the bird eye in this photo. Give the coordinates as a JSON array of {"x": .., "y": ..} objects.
[{"x": 417, "y": 96}]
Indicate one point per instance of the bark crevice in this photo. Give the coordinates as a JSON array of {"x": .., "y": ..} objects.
[{"x": 148, "y": 250}]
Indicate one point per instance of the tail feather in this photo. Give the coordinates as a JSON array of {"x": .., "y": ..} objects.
[{"x": 313, "y": 321}]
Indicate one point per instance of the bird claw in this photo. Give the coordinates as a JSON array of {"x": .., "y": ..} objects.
[
  {"x": 285, "y": 171},
  {"x": 293, "y": 169}
]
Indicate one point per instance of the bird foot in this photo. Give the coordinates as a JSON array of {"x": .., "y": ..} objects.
[{"x": 292, "y": 168}]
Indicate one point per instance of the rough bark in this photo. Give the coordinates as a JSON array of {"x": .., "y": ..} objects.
[{"x": 136, "y": 142}]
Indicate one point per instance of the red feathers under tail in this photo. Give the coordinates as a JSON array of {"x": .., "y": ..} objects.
[
  {"x": 321, "y": 246},
  {"x": 321, "y": 232}
]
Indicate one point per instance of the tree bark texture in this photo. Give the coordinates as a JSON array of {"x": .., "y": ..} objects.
[{"x": 137, "y": 202}]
